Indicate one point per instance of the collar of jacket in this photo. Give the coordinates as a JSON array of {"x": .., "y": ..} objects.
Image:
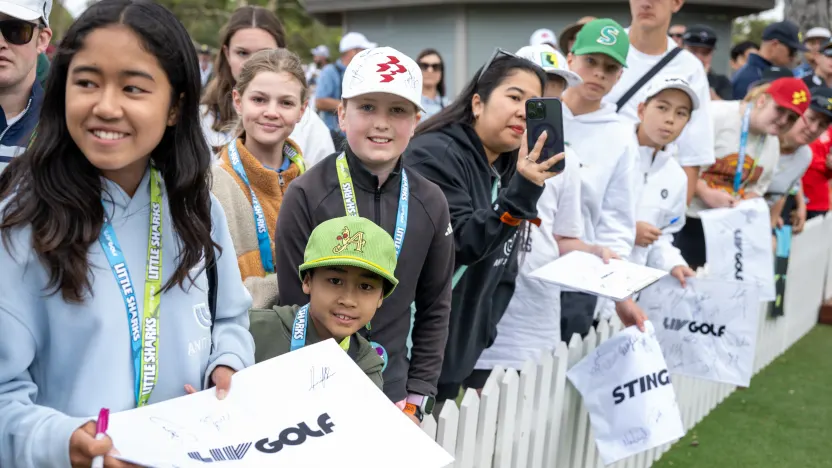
[
  {"x": 366, "y": 180},
  {"x": 36, "y": 97},
  {"x": 505, "y": 163}
]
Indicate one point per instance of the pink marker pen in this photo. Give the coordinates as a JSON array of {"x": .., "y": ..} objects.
[{"x": 100, "y": 433}]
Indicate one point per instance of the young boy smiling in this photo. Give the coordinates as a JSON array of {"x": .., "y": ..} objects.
[
  {"x": 347, "y": 272},
  {"x": 382, "y": 94}
]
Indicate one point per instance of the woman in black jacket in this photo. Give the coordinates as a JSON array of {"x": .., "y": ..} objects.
[{"x": 470, "y": 150}]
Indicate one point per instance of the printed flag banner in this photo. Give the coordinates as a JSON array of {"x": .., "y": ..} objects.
[
  {"x": 707, "y": 330},
  {"x": 626, "y": 389},
  {"x": 738, "y": 245},
  {"x": 312, "y": 407}
]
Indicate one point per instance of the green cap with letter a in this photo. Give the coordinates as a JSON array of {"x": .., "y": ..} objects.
[{"x": 603, "y": 36}]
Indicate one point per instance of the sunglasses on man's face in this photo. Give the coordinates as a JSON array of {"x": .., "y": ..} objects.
[{"x": 17, "y": 32}]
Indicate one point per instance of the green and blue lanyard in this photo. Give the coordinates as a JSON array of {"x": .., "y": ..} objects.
[
  {"x": 144, "y": 332},
  {"x": 351, "y": 208},
  {"x": 264, "y": 242}
]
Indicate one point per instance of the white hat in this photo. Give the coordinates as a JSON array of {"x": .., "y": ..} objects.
[
  {"x": 672, "y": 82},
  {"x": 551, "y": 61},
  {"x": 320, "y": 51},
  {"x": 354, "y": 40},
  {"x": 817, "y": 33},
  {"x": 383, "y": 70},
  {"x": 543, "y": 36},
  {"x": 27, "y": 10}
]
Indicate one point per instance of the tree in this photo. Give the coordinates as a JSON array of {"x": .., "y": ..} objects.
[
  {"x": 808, "y": 13},
  {"x": 748, "y": 28}
]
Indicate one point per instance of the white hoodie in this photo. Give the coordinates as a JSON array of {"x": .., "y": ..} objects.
[
  {"x": 608, "y": 152},
  {"x": 607, "y": 149},
  {"x": 662, "y": 198},
  {"x": 531, "y": 322}
]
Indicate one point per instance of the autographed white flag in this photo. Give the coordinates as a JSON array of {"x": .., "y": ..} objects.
[
  {"x": 626, "y": 389},
  {"x": 738, "y": 245},
  {"x": 707, "y": 330}
]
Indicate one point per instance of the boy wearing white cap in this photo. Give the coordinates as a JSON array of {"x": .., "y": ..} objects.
[
  {"x": 379, "y": 111},
  {"x": 670, "y": 101},
  {"x": 25, "y": 33},
  {"x": 544, "y": 36},
  {"x": 328, "y": 91}
]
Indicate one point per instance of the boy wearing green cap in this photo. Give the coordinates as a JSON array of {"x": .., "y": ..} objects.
[
  {"x": 607, "y": 150},
  {"x": 347, "y": 272}
]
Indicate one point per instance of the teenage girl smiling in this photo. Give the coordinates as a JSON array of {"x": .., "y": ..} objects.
[{"x": 110, "y": 303}]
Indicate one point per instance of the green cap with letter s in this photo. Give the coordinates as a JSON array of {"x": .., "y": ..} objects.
[{"x": 603, "y": 36}]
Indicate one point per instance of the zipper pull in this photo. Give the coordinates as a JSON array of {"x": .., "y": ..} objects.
[
  {"x": 645, "y": 178},
  {"x": 280, "y": 178}
]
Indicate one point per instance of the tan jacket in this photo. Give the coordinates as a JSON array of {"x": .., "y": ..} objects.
[{"x": 235, "y": 198}]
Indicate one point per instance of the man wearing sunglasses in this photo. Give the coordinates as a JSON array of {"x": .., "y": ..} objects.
[
  {"x": 781, "y": 41},
  {"x": 24, "y": 34}
]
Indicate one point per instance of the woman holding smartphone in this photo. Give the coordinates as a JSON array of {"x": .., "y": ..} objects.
[{"x": 475, "y": 150}]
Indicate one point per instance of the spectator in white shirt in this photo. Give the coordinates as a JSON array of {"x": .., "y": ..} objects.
[{"x": 649, "y": 43}]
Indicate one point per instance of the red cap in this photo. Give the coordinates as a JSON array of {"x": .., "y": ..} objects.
[{"x": 790, "y": 93}]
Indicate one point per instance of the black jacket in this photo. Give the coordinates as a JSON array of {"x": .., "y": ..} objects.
[
  {"x": 454, "y": 159},
  {"x": 424, "y": 268}
]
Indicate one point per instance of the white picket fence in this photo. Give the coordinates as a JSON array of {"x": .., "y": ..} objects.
[{"x": 534, "y": 418}]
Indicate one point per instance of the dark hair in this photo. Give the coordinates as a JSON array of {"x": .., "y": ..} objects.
[
  {"x": 54, "y": 188},
  {"x": 483, "y": 83},
  {"x": 440, "y": 88},
  {"x": 218, "y": 93},
  {"x": 742, "y": 48}
]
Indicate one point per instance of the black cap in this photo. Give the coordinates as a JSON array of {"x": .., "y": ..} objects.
[
  {"x": 821, "y": 100},
  {"x": 770, "y": 74},
  {"x": 699, "y": 35},
  {"x": 786, "y": 32}
]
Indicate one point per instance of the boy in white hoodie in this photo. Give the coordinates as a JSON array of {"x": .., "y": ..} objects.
[
  {"x": 608, "y": 153},
  {"x": 669, "y": 105}
]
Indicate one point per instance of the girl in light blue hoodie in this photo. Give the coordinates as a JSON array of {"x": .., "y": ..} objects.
[{"x": 107, "y": 228}]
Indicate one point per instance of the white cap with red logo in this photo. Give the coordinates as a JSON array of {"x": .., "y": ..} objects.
[
  {"x": 543, "y": 36},
  {"x": 383, "y": 70}
]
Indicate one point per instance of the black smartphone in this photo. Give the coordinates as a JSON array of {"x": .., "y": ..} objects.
[{"x": 546, "y": 114}]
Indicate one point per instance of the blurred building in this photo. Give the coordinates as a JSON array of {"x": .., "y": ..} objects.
[{"x": 465, "y": 32}]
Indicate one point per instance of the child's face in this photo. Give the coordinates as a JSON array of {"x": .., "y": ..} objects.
[
  {"x": 378, "y": 126},
  {"x": 270, "y": 107},
  {"x": 555, "y": 86},
  {"x": 343, "y": 299},
  {"x": 770, "y": 118},
  {"x": 243, "y": 44},
  {"x": 600, "y": 73},
  {"x": 118, "y": 102},
  {"x": 664, "y": 117},
  {"x": 809, "y": 128}
]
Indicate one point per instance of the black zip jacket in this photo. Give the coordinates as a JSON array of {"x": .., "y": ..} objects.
[
  {"x": 424, "y": 268},
  {"x": 454, "y": 159}
]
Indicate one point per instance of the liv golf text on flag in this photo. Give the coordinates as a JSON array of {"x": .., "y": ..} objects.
[
  {"x": 707, "y": 330},
  {"x": 627, "y": 391},
  {"x": 738, "y": 245}
]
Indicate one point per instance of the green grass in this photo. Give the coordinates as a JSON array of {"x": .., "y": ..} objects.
[{"x": 784, "y": 419}]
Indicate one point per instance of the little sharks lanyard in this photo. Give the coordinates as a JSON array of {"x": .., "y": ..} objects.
[
  {"x": 264, "y": 243},
  {"x": 144, "y": 334},
  {"x": 351, "y": 208},
  {"x": 746, "y": 119}
]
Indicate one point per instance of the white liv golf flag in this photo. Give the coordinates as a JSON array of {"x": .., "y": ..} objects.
[
  {"x": 627, "y": 391},
  {"x": 707, "y": 330},
  {"x": 738, "y": 245}
]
